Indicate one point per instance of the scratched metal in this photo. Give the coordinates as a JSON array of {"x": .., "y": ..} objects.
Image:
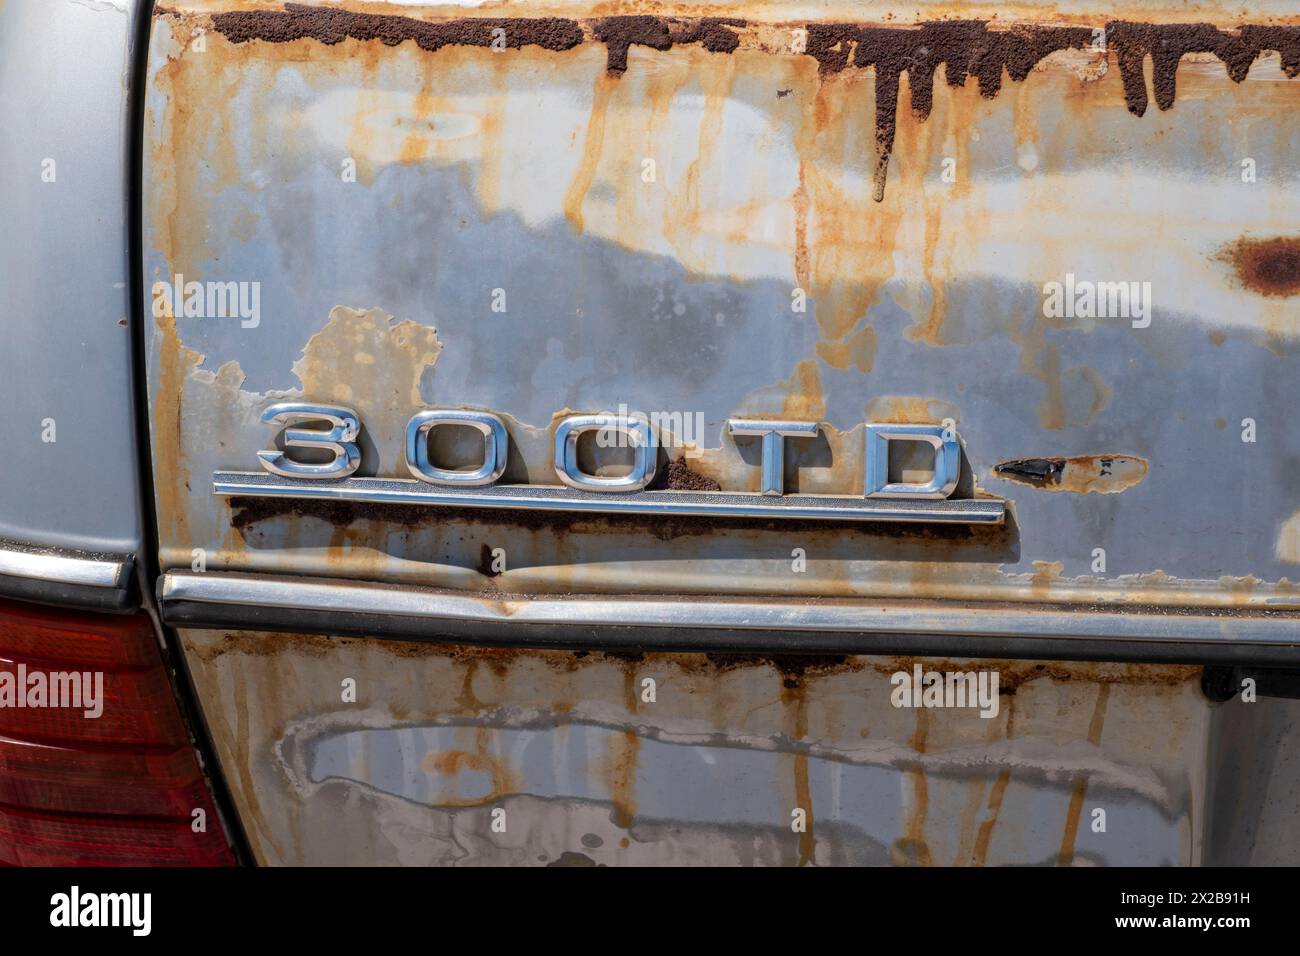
[
  {"x": 587, "y": 771},
  {"x": 522, "y": 170}
]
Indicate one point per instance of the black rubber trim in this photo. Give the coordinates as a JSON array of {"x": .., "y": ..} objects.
[{"x": 82, "y": 596}]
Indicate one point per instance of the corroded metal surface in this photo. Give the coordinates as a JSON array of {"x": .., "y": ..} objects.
[
  {"x": 589, "y": 771},
  {"x": 783, "y": 159}
]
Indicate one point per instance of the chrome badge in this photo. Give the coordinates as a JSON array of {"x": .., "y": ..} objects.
[{"x": 331, "y": 432}]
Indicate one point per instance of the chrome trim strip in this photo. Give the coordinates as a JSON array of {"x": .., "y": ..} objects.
[
  {"x": 427, "y": 609},
  {"x": 76, "y": 579},
  {"x": 17, "y": 561},
  {"x": 408, "y": 491}
]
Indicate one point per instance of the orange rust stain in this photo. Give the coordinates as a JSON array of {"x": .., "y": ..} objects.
[
  {"x": 493, "y": 133},
  {"x": 243, "y": 734},
  {"x": 454, "y": 761},
  {"x": 1075, "y": 810},
  {"x": 933, "y": 203},
  {"x": 449, "y": 763},
  {"x": 794, "y": 695},
  {"x": 912, "y": 848},
  {"x": 928, "y": 332},
  {"x": 171, "y": 469},
  {"x": 858, "y": 350},
  {"x": 415, "y": 145},
  {"x": 800, "y": 203},
  {"x": 980, "y": 855},
  {"x": 717, "y": 84},
  {"x": 1240, "y": 586},
  {"x": 850, "y": 250},
  {"x": 968, "y": 833},
  {"x": 908, "y": 410},
  {"x": 1024, "y": 121},
  {"x": 624, "y": 757},
  {"x": 372, "y": 363},
  {"x": 1046, "y": 573},
  {"x": 362, "y": 135},
  {"x": 467, "y": 700},
  {"x": 629, "y": 689},
  {"x": 805, "y": 399},
  {"x": 593, "y": 145}
]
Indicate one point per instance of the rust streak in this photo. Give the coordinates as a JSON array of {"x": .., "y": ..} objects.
[
  {"x": 1075, "y": 811},
  {"x": 964, "y": 48},
  {"x": 912, "y": 849},
  {"x": 592, "y": 148},
  {"x": 625, "y": 752},
  {"x": 794, "y": 693},
  {"x": 980, "y": 855}
]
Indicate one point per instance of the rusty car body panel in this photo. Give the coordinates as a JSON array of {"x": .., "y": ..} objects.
[
  {"x": 922, "y": 306},
  {"x": 652, "y": 190}
]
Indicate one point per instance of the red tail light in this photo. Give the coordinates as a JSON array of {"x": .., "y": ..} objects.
[{"x": 96, "y": 767}]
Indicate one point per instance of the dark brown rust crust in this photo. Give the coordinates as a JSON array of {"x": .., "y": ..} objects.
[
  {"x": 969, "y": 48},
  {"x": 1166, "y": 44},
  {"x": 678, "y": 476},
  {"x": 965, "y": 48},
  {"x": 247, "y": 512},
  {"x": 619, "y": 34},
  {"x": 300, "y": 21},
  {"x": 1268, "y": 266}
]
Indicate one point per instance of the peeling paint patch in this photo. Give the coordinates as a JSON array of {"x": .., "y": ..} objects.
[
  {"x": 1083, "y": 474},
  {"x": 1288, "y": 539}
]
